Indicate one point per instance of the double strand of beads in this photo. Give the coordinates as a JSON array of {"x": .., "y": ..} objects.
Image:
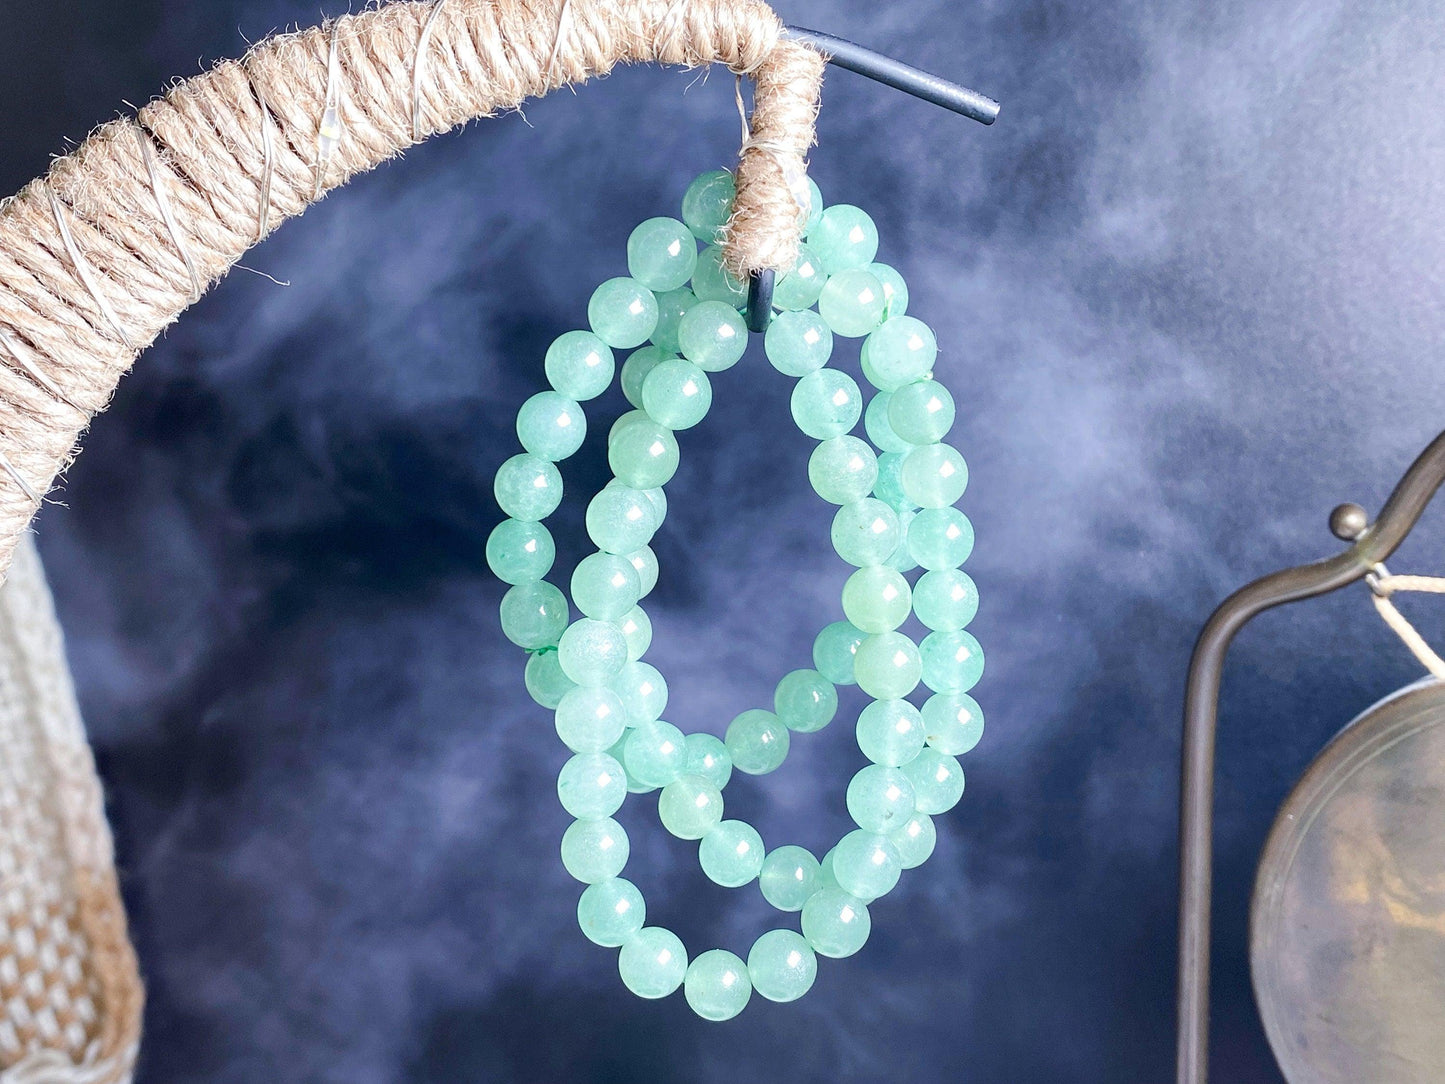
[{"x": 678, "y": 314}]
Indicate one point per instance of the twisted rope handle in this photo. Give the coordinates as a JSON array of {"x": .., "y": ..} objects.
[
  {"x": 122, "y": 235},
  {"x": 1382, "y": 585}
]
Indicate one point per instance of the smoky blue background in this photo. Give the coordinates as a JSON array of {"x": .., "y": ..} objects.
[{"x": 1188, "y": 294}]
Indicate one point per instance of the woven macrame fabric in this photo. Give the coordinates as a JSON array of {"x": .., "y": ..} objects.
[{"x": 70, "y": 994}]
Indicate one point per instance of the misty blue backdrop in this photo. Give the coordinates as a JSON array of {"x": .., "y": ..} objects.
[{"x": 1188, "y": 292}]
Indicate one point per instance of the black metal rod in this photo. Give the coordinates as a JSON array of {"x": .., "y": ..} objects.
[
  {"x": 1201, "y": 716},
  {"x": 899, "y": 76}
]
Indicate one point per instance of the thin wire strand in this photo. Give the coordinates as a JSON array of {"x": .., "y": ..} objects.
[
  {"x": 164, "y": 204},
  {"x": 268, "y": 163},
  {"x": 562, "y": 13},
  {"x": 9, "y": 469},
  {"x": 12, "y": 348},
  {"x": 328, "y": 132},
  {"x": 419, "y": 69},
  {"x": 82, "y": 268}
]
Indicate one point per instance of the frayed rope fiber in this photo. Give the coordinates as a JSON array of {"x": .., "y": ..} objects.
[{"x": 100, "y": 255}]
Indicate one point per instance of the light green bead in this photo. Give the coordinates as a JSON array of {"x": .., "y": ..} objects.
[
  {"x": 887, "y": 666},
  {"x": 620, "y": 519},
  {"x": 845, "y": 238},
  {"x": 689, "y": 807},
  {"x": 645, "y": 562},
  {"x": 901, "y": 351},
  {"x": 713, "y": 336},
  {"x": 889, "y": 487},
  {"x": 712, "y": 281},
  {"x": 652, "y": 963},
  {"x": 528, "y": 487},
  {"x": 937, "y": 781},
  {"x": 590, "y": 719},
  {"x": 876, "y": 599},
  {"x": 797, "y": 343},
  {"x": 677, "y": 394},
  {"x": 594, "y": 851},
  {"x": 865, "y": 532},
  {"x": 757, "y": 741},
  {"x": 902, "y": 558},
  {"x": 800, "y": 287},
  {"x": 545, "y": 681},
  {"x": 826, "y": 403},
  {"x": 551, "y": 425},
  {"x": 592, "y": 652},
  {"x": 952, "y": 661},
  {"x": 879, "y": 428},
  {"x": 835, "y": 651},
  {"x": 921, "y": 412},
  {"x": 657, "y": 497},
  {"x": 591, "y": 786},
  {"x": 520, "y": 551},
  {"x": 842, "y": 470},
  {"x": 934, "y": 476},
  {"x": 789, "y": 877},
  {"x": 945, "y": 600},
  {"x": 940, "y": 538},
  {"x": 625, "y": 422},
  {"x": 534, "y": 615},
  {"x": 835, "y": 923},
  {"x": 644, "y": 454},
  {"x": 709, "y": 758},
  {"x": 605, "y": 586},
  {"x": 672, "y": 306},
  {"x": 815, "y": 207},
  {"x": 866, "y": 864},
  {"x": 890, "y": 732},
  {"x": 579, "y": 365},
  {"x": 655, "y": 753},
  {"x": 636, "y": 628},
  {"x": 633, "y": 785},
  {"x": 894, "y": 289},
  {"x": 880, "y": 798},
  {"x": 622, "y": 313},
  {"x": 782, "y": 965},
  {"x": 638, "y": 367},
  {"x": 611, "y": 912},
  {"x": 731, "y": 854},
  {"x": 708, "y": 203},
  {"x": 643, "y": 692},
  {"x": 717, "y": 986},
  {"x": 852, "y": 302},
  {"x": 915, "y": 840},
  {"x": 805, "y": 701},
  {"x": 953, "y": 723},
  {"x": 661, "y": 254}
]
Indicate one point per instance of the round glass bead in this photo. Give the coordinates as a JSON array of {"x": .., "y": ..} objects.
[
  {"x": 915, "y": 840},
  {"x": 887, "y": 666},
  {"x": 709, "y": 758},
  {"x": 845, "y": 238},
  {"x": 876, "y": 599},
  {"x": 594, "y": 851},
  {"x": 835, "y": 652},
  {"x": 605, "y": 586},
  {"x": 952, "y": 661},
  {"x": 952, "y": 723},
  {"x": 611, "y": 912},
  {"x": 805, "y": 701},
  {"x": 835, "y": 923},
  {"x": 643, "y": 692},
  {"x": 590, "y": 719},
  {"x": 921, "y": 412},
  {"x": 520, "y": 551},
  {"x": 708, "y": 203},
  {"x": 843, "y": 469},
  {"x": 798, "y": 343},
  {"x": 592, "y": 652},
  {"x": 712, "y": 281},
  {"x": 879, "y": 428},
  {"x": 622, "y": 313},
  {"x": 788, "y": 878},
  {"x": 880, "y": 799},
  {"x": 934, "y": 476},
  {"x": 690, "y": 807},
  {"x": 891, "y": 732},
  {"x": 865, "y": 532},
  {"x": 757, "y": 741},
  {"x": 852, "y": 303},
  {"x": 826, "y": 403},
  {"x": 782, "y": 966},
  {"x": 643, "y": 454},
  {"x": 815, "y": 207},
  {"x": 717, "y": 986},
  {"x": 591, "y": 786},
  {"x": 655, "y": 753},
  {"x": 937, "y": 781},
  {"x": 633, "y": 785},
  {"x": 940, "y": 538},
  {"x": 800, "y": 287},
  {"x": 894, "y": 289},
  {"x": 731, "y": 854},
  {"x": 652, "y": 962},
  {"x": 902, "y": 559},
  {"x": 620, "y": 519},
  {"x": 636, "y": 629},
  {"x": 945, "y": 600},
  {"x": 672, "y": 306},
  {"x": 677, "y": 394},
  {"x": 545, "y": 681},
  {"x": 644, "y": 561},
  {"x": 901, "y": 351},
  {"x": 889, "y": 487},
  {"x": 534, "y": 615},
  {"x": 528, "y": 487},
  {"x": 579, "y": 365},
  {"x": 638, "y": 367},
  {"x": 551, "y": 425},
  {"x": 656, "y": 497},
  {"x": 713, "y": 336},
  {"x": 661, "y": 254},
  {"x": 866, "y": 864}
]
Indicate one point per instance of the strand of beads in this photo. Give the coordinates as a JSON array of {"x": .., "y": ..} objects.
[{"x": 609, "y": 703}]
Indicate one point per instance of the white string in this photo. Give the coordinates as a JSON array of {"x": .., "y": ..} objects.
[
  {"x": 83, "y": 269},
  {"x": 1382, "y": 585},
  {"x": 419, "y": 70},
  {"x": 163, "y": 202}
]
